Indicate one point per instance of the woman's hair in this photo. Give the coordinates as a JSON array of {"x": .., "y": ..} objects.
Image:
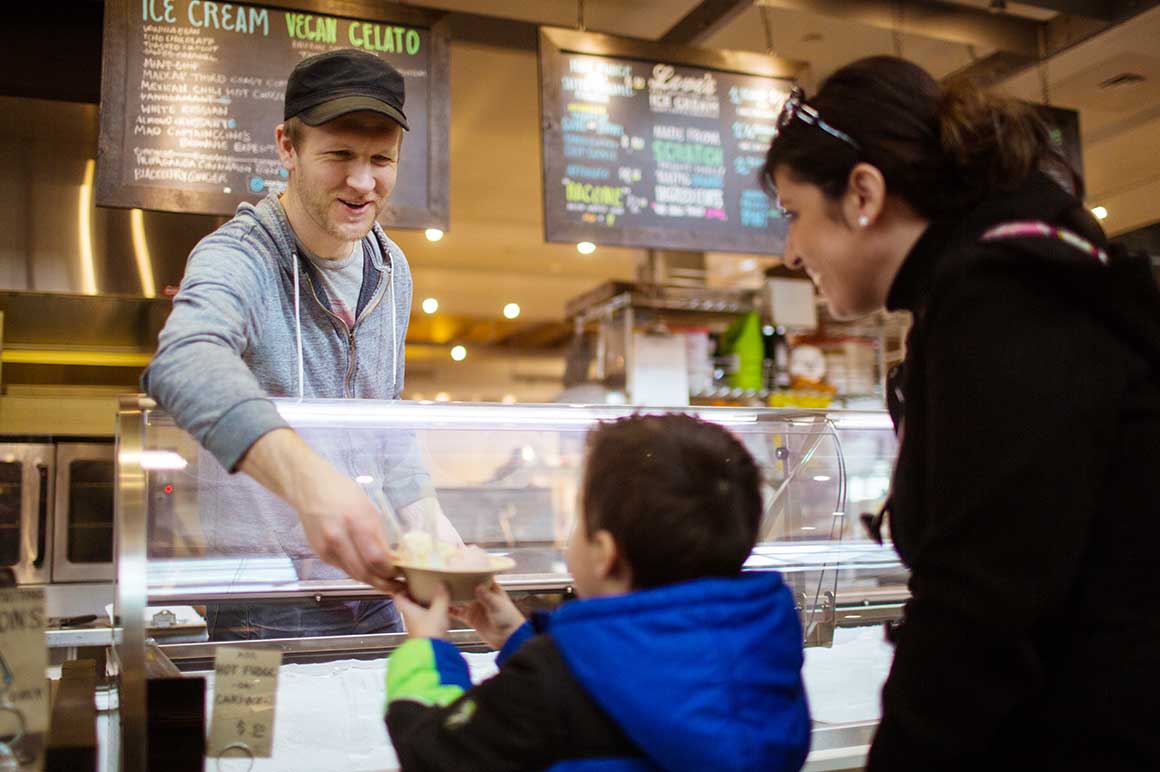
[
  {"x": 681, "y": 497},
  {"x": 941, "y": 149}
]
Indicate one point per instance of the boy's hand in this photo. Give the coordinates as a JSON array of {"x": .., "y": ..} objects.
[
  {"x": 492, "y": 614},
  {"x": 431, "y": 622}
]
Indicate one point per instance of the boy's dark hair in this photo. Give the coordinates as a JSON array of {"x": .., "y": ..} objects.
[{"x": 681, "y": 496}]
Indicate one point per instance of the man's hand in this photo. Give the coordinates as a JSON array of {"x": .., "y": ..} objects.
[
  {"x": 492, "y": 614},
  {"x": 430, "y": 622},
  {"x": 341, "y": 523}
]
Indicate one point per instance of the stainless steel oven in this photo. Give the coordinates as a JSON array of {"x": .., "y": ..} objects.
[
  {"x": 82, "y": 549},
  {"x": 26, "y": 491}
]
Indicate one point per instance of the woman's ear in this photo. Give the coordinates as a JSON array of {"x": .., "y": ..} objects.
[{"x": 865, "y": 196}]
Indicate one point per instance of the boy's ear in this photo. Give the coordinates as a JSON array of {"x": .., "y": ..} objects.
[{"x": 608, "y": 561}]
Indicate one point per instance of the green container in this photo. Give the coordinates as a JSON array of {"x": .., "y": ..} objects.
[{"x": 743, "y": 339}]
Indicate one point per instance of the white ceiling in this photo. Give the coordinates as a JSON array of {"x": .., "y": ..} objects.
[
  {"x": 1120, "y": 127},
  {"x": 495, "y": 252}
]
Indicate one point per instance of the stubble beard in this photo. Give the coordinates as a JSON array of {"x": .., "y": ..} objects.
[{"x": 317, "y": 204}]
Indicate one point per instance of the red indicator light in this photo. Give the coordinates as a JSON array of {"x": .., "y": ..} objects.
[{"x": 168, "y": 489}]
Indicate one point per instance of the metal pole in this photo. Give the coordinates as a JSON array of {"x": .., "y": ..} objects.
[{"x": 131, "y": 512}]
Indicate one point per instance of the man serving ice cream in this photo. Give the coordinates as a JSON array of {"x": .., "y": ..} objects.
[{"x": 304, "y": 295}]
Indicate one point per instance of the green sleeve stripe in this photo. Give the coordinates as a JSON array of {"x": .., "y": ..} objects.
[{"x": 429, "y": 671}]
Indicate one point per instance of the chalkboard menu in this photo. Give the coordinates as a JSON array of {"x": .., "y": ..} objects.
[
  {"x": 1063, "y": 125},
  {"x": 656, "y": 146},
  {"x": 191, "y": 91}
]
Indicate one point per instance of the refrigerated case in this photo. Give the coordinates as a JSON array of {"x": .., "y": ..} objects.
[{"x": 508, "y": 477}]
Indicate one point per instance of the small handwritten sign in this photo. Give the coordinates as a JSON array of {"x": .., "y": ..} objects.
[
  {"x": 244, "y": 693},
  {"x": 23, "y": 662}
]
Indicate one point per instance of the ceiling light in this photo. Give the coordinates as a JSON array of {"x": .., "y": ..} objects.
[
  {"x": 442, "y": 397},
  {"x": 433, "y": 234},
  {"x": 511, "y": 310},
  {"x": 1100, "y": 212},
  {"x": 458, "y": 353},
  {"x": 430, "y": 305},
  {"x": 585, "y": 247},
  {"x": 822, "y": 477}
]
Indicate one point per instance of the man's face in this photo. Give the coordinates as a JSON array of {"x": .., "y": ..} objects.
[{"x": 343, "y": 171}]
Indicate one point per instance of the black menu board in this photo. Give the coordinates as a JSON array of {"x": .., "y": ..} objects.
[
  {"x": 646, "y": 145},
  {"x": 191, "y": 91},
  {"x": 1063, "y": 125}
]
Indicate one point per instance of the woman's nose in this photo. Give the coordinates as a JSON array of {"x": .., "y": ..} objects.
[{"x": 790, "y": 255}]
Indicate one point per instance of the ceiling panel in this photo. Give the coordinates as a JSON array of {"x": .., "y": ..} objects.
[
  {"x": 827, "y": 43},
  {"x": 633, "y": 18}
]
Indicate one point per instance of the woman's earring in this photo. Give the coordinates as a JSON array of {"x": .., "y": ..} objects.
[{"x": 863, "y": 221}]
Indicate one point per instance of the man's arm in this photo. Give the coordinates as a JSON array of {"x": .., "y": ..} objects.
[
  {"x": 1016, "y": 438},
  {"x": 197, "y": 374},
  {"x": 341, "y": 523},
  {"x": 199, "y": 377}
]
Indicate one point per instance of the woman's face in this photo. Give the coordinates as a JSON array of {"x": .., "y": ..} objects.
[{"x": 835, "y": 252}]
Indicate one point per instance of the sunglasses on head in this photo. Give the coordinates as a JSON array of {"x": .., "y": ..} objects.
[{"x": 795, "y": 107}]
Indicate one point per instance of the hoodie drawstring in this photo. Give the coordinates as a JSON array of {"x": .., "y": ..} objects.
[{"x": 298, "y": 325}]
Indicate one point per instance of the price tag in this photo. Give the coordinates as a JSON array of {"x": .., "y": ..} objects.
[
  {"x": 245, "y": 689},
  {"x": 23, "y": 662}
]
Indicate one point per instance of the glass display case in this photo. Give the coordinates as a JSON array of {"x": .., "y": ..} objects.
[{"x": 194, "y": 540}]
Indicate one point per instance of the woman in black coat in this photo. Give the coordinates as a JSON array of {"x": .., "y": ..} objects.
[{"x": 1025, "y": 498}]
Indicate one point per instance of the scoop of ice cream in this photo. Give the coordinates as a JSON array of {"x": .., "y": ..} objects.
[
  {"x": 419, "y": 548},
  {"x": 470, "y": 558}
]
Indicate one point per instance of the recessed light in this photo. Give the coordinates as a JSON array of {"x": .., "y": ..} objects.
[
  {"x": 458, "y": 353},
  {"x": 430, "y": 305},
  {"x": 511, "y": 310},
  {"x": 1100, "y": 212},
  {"x": 585, "y": 247},
  {"x": 433, "y": 234}
]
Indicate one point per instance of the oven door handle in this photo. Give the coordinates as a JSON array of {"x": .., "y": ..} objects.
[{"x": 41, "y": 516}]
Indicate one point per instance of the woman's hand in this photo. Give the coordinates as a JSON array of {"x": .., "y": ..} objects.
[
  {"x": 430, "y": 622},
  {"x": 492, "y": 614}
]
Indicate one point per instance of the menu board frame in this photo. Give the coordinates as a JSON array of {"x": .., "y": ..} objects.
[
  {"x": 112, "y": 192},
  {"x": 555, "y": 45}
]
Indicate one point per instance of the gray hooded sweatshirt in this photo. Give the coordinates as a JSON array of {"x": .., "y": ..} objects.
[{"x": 230, "y": 344}]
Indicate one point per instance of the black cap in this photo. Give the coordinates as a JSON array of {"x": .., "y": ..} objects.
[{"x": 326, "y": 86}]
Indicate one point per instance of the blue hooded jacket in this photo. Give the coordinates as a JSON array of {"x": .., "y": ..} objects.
[{"x": 703, "y": 675}]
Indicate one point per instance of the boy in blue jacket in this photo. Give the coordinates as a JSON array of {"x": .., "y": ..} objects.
[{"x": 673, "y": 659}]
